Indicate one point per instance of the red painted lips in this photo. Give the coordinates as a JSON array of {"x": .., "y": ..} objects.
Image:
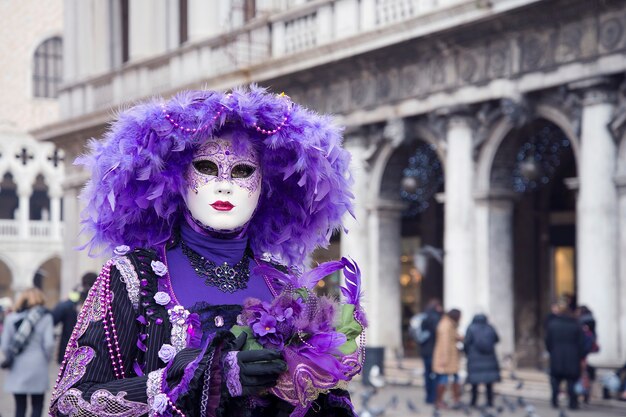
[{"x": 222, "y": 206}]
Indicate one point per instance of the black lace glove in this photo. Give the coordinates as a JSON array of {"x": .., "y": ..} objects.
[{"x": 252, "y": 371}]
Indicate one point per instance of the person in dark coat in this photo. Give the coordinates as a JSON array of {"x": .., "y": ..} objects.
[
  {"x": 433, "y": 312},
  {"x": 588, "y": 372},
  {"x": 565, "y": 342},
  {"x": 482, "y": 363},
  {"x": 66, "y": 312}
]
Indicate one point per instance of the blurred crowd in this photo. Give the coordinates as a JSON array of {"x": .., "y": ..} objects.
[
  {"x": 27, "y": 341},
  {"x": 27, "y": 344},
  {"x": 570, "y": 338}
]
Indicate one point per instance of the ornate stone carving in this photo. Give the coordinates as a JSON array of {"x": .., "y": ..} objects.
[
  {"x": 567, "y": 101},
  {"x": 569, "y": 45},
  {"x": 467, "y": 67},
  {"x": 424, "y": 67},
  {"x": 534, "y": 51},
  {"x": 498, "y": 59},
  {"x": 611, "y": 33},
  {"x": 395, "y": 132},
  {"x": 617, "y": 125}
]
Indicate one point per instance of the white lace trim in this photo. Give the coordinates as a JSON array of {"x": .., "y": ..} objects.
[{"x": 129, "y": 277}]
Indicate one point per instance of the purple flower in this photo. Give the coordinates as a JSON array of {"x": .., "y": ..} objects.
[
  {"x": 167, "y": 352},
  {"x": 285, "y": 314},
  {"x": 159, "y": 403},
  {"x": 162, "y": 298},
  {"x": 265, "y": 325},
  {"x": 273, "y": 341},
  {"x": 121, "y": 250},
  {"x": 159, "y": 268}
]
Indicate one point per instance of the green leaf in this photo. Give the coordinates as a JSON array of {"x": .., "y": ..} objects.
[
  {"x": 350, "y": 327},
  {"x": 303, "y": 293},
  {"x": 251, "y": 343}
]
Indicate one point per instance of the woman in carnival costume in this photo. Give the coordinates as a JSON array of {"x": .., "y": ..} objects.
[{"x": 211, "y": 202}]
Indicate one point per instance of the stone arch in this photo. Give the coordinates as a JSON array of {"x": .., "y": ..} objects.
[
  {"x": 40, "y": 199},
  {"x": 500, "y": 131},
  {"x": 387, "y": 150},
  {"x": 6, "y": 278},
  {"x": 9, "y": 199},
  {"x": 50, "y": 270}
]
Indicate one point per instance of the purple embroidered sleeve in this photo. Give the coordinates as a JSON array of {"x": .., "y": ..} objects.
[
  {"x": 75, "y": 367},
  {"x": 103, "y": 404},
  {"x": 233, "y": 382}
]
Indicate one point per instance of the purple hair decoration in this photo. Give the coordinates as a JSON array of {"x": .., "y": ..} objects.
[{"x": 135, "y": 194}]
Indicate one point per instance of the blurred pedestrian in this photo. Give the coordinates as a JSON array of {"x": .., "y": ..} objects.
[
  {"x": 482, "y": 362},
  {"x": 565, "y": 343},
  {"x": 424, "y": 330},
  {"x": 446, "y": 358},
  {"x": 66, "y": 312},
  {"x": 27, "y": 344},
  {"x": 5, "y": 308},
  {"x": 587, "y": 372}
]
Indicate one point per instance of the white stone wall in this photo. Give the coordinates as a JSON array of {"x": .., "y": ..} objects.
[
  {"x": 25, "y": 25},
  {"x": 26, "y": 246},
  {"x": 307, "y": 35}
]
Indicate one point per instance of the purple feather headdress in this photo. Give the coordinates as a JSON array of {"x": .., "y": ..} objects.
[{"x": 135, "y": 195}]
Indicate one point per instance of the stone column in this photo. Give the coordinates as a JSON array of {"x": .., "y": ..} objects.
[
  {"x": 146, "y": 22},
  {"x": 23, "y": 209},
  {"x": 383, "y": 284},
  {"x": 353, "y": 244},
  {"x": 459, "y": 274},
  {"x": 596, "y": 213},
  {"x": 55, "y": 212},
  {"x": 70, "y": 258},
  {"x": 368, "y": 14},
  {"x": 621, "y": 187},
  {"x": 70, "y": 39},
  {"x": 494, "y": 259}
]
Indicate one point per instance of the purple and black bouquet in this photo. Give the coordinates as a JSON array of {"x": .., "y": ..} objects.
[{"x": 316, "y": 334}]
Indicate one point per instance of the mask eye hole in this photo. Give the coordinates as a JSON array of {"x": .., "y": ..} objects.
[
  {"x": 206, "y": 167},
  {"x": 242, "y": 171}
]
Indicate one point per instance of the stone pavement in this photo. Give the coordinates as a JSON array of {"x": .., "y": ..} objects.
[
  {"x": 523, "y": 393},
  {"x": 403, "y": 396}
]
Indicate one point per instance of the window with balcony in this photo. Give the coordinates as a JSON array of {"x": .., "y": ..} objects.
[{"x": 48, "y": 68}]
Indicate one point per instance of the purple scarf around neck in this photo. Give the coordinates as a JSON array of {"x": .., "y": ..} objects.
[{"x": 190, "y": 288}]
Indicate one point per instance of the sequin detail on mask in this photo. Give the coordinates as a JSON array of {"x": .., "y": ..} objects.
[
  {"x": 220, "y": 152},
  {"x": 103, "y": 404}
]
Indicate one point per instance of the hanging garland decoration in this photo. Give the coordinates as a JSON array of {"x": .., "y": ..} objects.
[
  {"x": 422, "y": 178},
  {"x": 538, "y": 159}
]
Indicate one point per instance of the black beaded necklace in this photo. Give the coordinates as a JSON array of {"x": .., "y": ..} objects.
[{"x": 225, "y": 277}]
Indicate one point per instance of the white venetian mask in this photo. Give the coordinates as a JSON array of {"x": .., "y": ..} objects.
[{"x": 224, "y": 186}]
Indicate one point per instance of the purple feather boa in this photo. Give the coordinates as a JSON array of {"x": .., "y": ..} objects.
[{"x": 135, "y": 195}]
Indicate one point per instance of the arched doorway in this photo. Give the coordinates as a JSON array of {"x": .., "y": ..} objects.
[
  {"x": 50, "y": 282},
  {"x": 536, "y": 165},
  {"x": 414, "y": 176},
  {"x": 6, "y": 281},
  {"x": 9, "y": 200},
  {"x": 39, "y": 200}
]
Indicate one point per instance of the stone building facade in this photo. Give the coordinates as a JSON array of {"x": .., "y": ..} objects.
[
  {"x": 487, "y": 137},
  {"x": 31, "y": 173}
]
